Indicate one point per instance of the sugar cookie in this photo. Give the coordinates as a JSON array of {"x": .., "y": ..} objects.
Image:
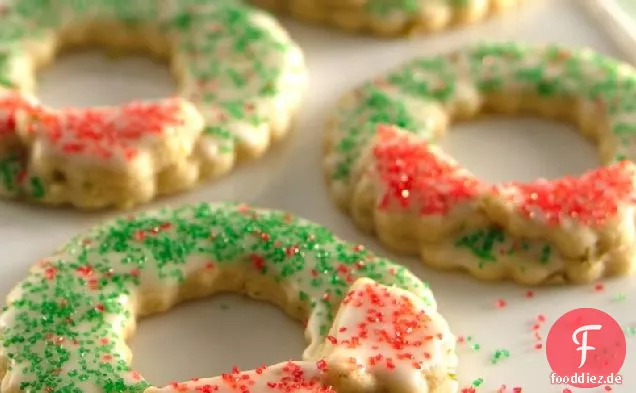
[
  {"x": 383, "y": 170},
  {"x": 391, "y": 17},
  {"x": 224, "y": 111},
  {"x": 371, "y": 324}
]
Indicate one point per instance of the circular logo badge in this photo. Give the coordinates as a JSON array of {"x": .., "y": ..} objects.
[{"x": 586, "y": 348}]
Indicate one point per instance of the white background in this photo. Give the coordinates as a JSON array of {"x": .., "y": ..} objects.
[{"x": 208, "y": 337}]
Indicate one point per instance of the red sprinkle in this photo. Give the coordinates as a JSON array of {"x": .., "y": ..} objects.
[
  {"x": 84, "y": 271},
  {"x": 588, "y": 200},
  {"x": 291, "y": 251},
  {"x": 322, "y": 365},
  {"x": 12, "y": 105},
  {"x": 358, "y": 248},
  {"x": 50, "y": 273},
  {"x": 501, "y": 303},
  {"x": 258, "y": 262}
]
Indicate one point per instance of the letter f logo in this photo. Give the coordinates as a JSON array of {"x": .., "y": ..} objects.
[{"x": 584, "y": 348}]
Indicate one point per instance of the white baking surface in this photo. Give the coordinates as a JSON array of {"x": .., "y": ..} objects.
[
  {"x": 619, "y": 18},
  {"x": 208, "y": 337}
]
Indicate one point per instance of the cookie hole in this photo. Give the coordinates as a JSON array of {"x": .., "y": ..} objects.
[
  {"x": 91, "y": 78},
  {"x": 520, "y": 148},
  {"x": 209, "y": 336}
]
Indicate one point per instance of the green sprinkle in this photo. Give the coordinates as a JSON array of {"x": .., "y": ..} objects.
[
  {"x": 499, "y": 355},
  {"x": 619, "y": 297}
]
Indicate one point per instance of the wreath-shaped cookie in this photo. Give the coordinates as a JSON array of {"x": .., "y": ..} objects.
[
  {"x": 371, "y": 324},
  {"x": 240, "y": 78},
  {"x": 384, "y": 170}
]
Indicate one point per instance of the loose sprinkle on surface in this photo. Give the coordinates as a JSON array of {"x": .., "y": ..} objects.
[
  {"x": 478, "y": 382},
  {"x": 499, "y": 355},
  {"x": 501, "y": 303},
  {"x": 619, "y": 297}
]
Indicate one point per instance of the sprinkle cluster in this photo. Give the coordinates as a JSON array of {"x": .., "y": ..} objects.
[
  {"x": 407, "y": 331},
  {"x": 414, "y": 174},
  {"x": 63, "y": 328},
  {"x": 106, "y": 133},
  {"x": 590, "y": 199}
]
